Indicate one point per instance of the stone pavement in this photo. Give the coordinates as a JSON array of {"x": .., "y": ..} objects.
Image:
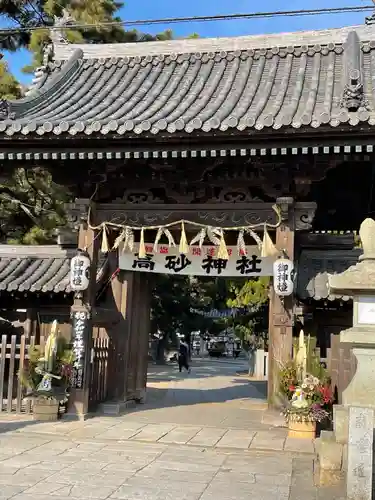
[{"x": 199, "y": 436}]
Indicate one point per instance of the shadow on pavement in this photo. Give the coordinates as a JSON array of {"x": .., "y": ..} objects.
[
  {"x": 163, "y": 397},
  {"x": 15, "y": 425}
]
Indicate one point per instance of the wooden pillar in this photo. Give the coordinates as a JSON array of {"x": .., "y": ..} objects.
[
  {"x": 281, "y": 310},
  {"x": 116, "y": 331},
  {"x": 134, "y": 333},
  {"x": 143, "y": 336},
  {"x": 130, "y": 301},
  {"x": 79, "y": 397}
]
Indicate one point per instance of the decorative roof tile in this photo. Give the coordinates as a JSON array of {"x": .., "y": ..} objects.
[
  {"x": 43, "y": 269},
  {"x": 296, "y": 80},
  {"x": 314, "y": 266}
]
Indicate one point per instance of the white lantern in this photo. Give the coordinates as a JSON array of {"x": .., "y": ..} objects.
[
  {"x": 283, "y": 277},
  {"x": 80, "y": 272}
]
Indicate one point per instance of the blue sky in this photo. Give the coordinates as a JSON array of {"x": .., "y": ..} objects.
[{"x": 152, "y": 9}]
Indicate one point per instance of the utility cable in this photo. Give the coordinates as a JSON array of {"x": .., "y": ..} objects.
[{"x": 189, "y": 19}]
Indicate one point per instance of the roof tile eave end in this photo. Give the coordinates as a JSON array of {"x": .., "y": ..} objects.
[{"x": 199, "y": 45}]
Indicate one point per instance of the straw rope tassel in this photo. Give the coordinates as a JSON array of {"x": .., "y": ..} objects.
[
  {"x": 222, "y": 251},
  {"x": 157, "y": 239},
  {"x": 119, "y": 239},
  {"x": 105, "y": 245},
  {"x": 268, "y": 248},
  {"x": 183, "y": 247},
  {"x": 142, "y": 248}
]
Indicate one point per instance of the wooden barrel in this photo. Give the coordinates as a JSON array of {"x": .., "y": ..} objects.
[
  {"x": 305, "y": 430},
  {"x": 45, "y": 410}
]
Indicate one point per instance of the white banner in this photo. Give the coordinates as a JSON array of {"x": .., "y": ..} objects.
[{"x": 199, "y": 262}]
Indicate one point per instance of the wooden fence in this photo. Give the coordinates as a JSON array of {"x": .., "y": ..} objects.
[
  {"x": 13, "y": 355},
  {"x": 99, "y": 371}
]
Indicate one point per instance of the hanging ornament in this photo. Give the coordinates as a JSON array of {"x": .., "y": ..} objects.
[
  {"x": 105, "y": 246},
  {"x": 255, "y": 237},
  {"x": 223, "y": 251},
  {"x": 199, "y": 238},
  {"x": 268, "y": 247},
  {"x": 80, "y": 271},
  {"x": 129, "y": 239},
  {"x": 142, "y": 248},
  {"x": 214, "y": 234},
  {"x": 183, "y": 247},
  {"x": 168, "y": 234},
  {"x": 241, "y": 247},
  {"x": 277, "y": 209},
  {"x": 283, "y": 277},
  {"x": 157, "y": 239},
  {"x": 120, "y": 238}
]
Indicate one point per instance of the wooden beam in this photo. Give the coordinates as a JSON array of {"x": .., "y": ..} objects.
[
  {"x": 281, "y": 309},
  {"x": 220, "y": 215},
  {"x": 78, "y": 405}
]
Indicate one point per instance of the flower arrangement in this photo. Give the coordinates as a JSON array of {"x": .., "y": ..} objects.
[
  {"x": 311, "y": 401},
  {"x": 46, "y": 373}
]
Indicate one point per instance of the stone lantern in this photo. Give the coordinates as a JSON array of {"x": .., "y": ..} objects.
[
  {"x": 350, "y": 447},
  {"x": 359, "y": 282}
]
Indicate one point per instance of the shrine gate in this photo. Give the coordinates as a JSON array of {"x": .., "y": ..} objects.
[{"x": 215, "y": 132}]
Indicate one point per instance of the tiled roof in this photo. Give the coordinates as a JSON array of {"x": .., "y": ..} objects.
[
  {"x": 37, "y": 269},
  {"x": 297, "y": 80},
  {"x": 314, "y": 266}
]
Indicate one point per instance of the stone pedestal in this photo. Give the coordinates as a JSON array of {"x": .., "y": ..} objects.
[
  {"x": 354, "y": 419},
  {"x": 359, "y": 473}
]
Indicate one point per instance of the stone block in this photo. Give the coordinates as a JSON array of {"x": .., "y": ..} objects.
[
  {"x": 116, "y": 407},
  {"x": 208, "y": 437},
  {"x": 345, "y": 457},
  {"x": 180, "y": 435},
  {"x": 328, "y": 436},
  {"x": 341, "y": 423},
  {"x": 8, "y": 491},
  {"x": 360, "y": 453},
  {"x": 153, "y": 432},
  {"x": 266, "y": 440},
  {"x": 330, "y": 454},
  {"x": 240, "y": 439},
  {"x": 298, "y": 445}
]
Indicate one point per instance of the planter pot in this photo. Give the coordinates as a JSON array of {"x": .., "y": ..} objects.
[
  {"x": 305, "y": 430},
  {"x": 45, "y": 410}
]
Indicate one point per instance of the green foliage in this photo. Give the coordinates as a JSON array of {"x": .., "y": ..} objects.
[
  {"x": 9, "y": 87},
  {"x": 288, "y": 379},
  {"x": 313, "y": 364},
  {"x": 31, "y": 207},
  {"x": 253, "y": 293},
  {"x": 96, "y": 14}
]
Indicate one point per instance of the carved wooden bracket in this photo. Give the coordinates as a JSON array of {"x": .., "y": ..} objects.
[
  {"x": 228, "y": 214},
  {"x": 77, "y": 212}
]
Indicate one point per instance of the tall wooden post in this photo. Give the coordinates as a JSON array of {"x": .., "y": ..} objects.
[
  {"x": 82, "y": 308},
  {"x": 281, "y": 310},
  {"x": 143, "y": 336},
  {"x": 130, "y": 309}
]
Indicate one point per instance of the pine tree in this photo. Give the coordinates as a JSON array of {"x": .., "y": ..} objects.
[
  {"x": 9, "y": 87},
  {"x": 31, "y": 204},
  {"x": 32, "y": 13}
]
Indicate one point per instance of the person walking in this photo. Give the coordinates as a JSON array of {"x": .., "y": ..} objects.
[{"x": 183, "y": 356}]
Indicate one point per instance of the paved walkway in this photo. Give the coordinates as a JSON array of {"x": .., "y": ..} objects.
[{"x": 200, "y": 436}]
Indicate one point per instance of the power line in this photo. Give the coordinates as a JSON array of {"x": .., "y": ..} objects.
[{"x": 197, "y": 19}]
